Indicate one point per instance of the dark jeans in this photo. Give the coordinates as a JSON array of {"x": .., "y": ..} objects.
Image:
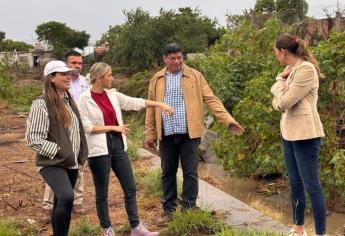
[
  {"x": 62, "y": 182},
  {"x": 118, "y": 161},
  {"x": 302, "y": 163},
  {"x": 172, "y": 149}
]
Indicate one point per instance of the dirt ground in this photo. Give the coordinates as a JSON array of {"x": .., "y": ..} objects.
[{"x": 21, "y": 186}]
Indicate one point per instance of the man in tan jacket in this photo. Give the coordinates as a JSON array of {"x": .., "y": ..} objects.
[{"x": 186, "y": 90}]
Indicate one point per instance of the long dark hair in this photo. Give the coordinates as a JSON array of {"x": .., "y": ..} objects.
[
  {"x": 298, "y": 47},
  {"x": 59, "y": 109}
]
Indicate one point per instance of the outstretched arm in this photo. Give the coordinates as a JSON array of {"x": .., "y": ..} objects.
[{"x": 218, "y": 110}]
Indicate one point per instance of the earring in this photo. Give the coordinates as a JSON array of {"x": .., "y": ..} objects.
[{"x": 53, "y": 81}]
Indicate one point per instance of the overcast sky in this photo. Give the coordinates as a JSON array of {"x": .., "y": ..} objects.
[{"x": 19, "y": 18}]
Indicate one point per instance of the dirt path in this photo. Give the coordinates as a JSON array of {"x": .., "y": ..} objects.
[{"x": 21, "y": 186}]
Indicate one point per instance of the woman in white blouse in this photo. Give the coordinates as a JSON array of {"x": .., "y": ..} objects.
[{"x": 100, "y": 109}]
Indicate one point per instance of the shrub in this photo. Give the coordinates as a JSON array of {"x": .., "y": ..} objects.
[{"x": 241, "y": 69}]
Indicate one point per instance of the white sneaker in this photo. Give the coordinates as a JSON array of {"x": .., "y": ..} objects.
[
  {"x": 141, "y": 230},
  {"x": 293, "y": 233},
  {"x": 108, "y": 231}
]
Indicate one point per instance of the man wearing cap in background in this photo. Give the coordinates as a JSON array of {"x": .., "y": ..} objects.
[{"x": 78, "y": 85}]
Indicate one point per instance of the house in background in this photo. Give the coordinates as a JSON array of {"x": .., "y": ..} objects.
[{"x": 35, "y": 57}]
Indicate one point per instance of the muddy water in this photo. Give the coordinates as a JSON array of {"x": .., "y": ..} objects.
[{"x": 277, "y": 207}]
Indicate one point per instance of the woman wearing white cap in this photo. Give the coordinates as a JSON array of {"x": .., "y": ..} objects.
[{"x": 55, "y": 132}]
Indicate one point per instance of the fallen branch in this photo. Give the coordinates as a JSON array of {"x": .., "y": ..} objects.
[{"x": 9, "y": 204}]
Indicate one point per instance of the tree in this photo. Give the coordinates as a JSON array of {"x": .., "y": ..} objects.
[
  {"x": 291, "y": 11},
  {"x": 265, "y": 6},
  {"x": 9, "y": 45},
  {"x": 61, "y": 37},
  {"x": 288, "y": 11},
  {"x": 2, "y": 35},
  {"x": 139, "y": 42}
]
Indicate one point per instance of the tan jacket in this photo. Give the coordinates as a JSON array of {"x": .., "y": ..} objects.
[
  {"x": 196, "y": 92},
  {"x": 297, "y": 98}
]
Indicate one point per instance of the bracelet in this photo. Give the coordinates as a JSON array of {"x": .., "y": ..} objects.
[{"x": 280, "y": 78}]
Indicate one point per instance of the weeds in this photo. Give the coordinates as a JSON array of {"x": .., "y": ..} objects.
[
  {"x": 245, "y": 232},
  {"x": 137, "y": 134},
  {"x": 152, "y": 183},
  {"x": 83, "y": 227},
  {"x": 14, "y": 227},
  {"x": 193, "y": 222}
]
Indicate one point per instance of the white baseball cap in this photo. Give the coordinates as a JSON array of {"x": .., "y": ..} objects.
[{"x": 55, "y": 66}]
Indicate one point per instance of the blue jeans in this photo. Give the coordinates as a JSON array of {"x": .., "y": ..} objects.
[{"x": 302, "y": 163}]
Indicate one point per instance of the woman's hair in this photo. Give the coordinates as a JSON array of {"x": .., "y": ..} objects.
[
  {"x": 298, "y": 47},
  {"x": 59, "y": 109},
  {"x": 98, "y": 70}
]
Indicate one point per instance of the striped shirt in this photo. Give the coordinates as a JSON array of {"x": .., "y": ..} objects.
[
  {"x": 177, "y": 123},
  {"x": 37, "y": 128}
]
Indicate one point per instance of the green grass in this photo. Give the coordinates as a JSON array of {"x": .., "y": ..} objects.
[
  {"x": 193, "y": 222},
  {"x": 137, "y": 134},
  {"x": 83, "y": 227},
  {"x": 245, "y": 232},
  {"x": 14, "y": 227},
  {"x": 152, "y": 183},
  {"x": 124, "y": 229}
]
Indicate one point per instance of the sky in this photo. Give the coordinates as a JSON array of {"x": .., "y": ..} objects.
[{"x": 19, "y": 18}]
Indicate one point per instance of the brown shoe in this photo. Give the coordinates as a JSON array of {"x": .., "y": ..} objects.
[
  {"x": 164, "y": 219},
  {"x": 46, "y": 216},
  {"x": 78, "y": 209}
]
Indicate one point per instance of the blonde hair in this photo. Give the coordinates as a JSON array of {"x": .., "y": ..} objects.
[{"x": 98, "y": 70}]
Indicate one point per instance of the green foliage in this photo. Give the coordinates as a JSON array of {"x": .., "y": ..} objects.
[
  {"x": 258, "y": 152},
  {"x": 23, "y": 97},
  {"x": 2, "y": 35},
  {"x": 152, "y": 183},
  {"x": 139, "y": 42},
  {"x": 193, "y": 222},
  {"x": 331, "y": 55},
  {"x": 133, "y": 88},
  {"x": 137, "y": 134},
  {"x": 291, "y": 11},
  {"x": 142, "y": 75},
  {"x": 246, "y": 57},
  {"x": 287, "y": 11},
  {"x": 20, "y": 97},
  {"x": 83, "y": 227},
  {"x": 6, "y": 88},
  {"x": 265, "y": 6},
  {"x": 9, "y": 45},
  {"x": 241, "y": 69},
  {"x": 61, "y": 37}
]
